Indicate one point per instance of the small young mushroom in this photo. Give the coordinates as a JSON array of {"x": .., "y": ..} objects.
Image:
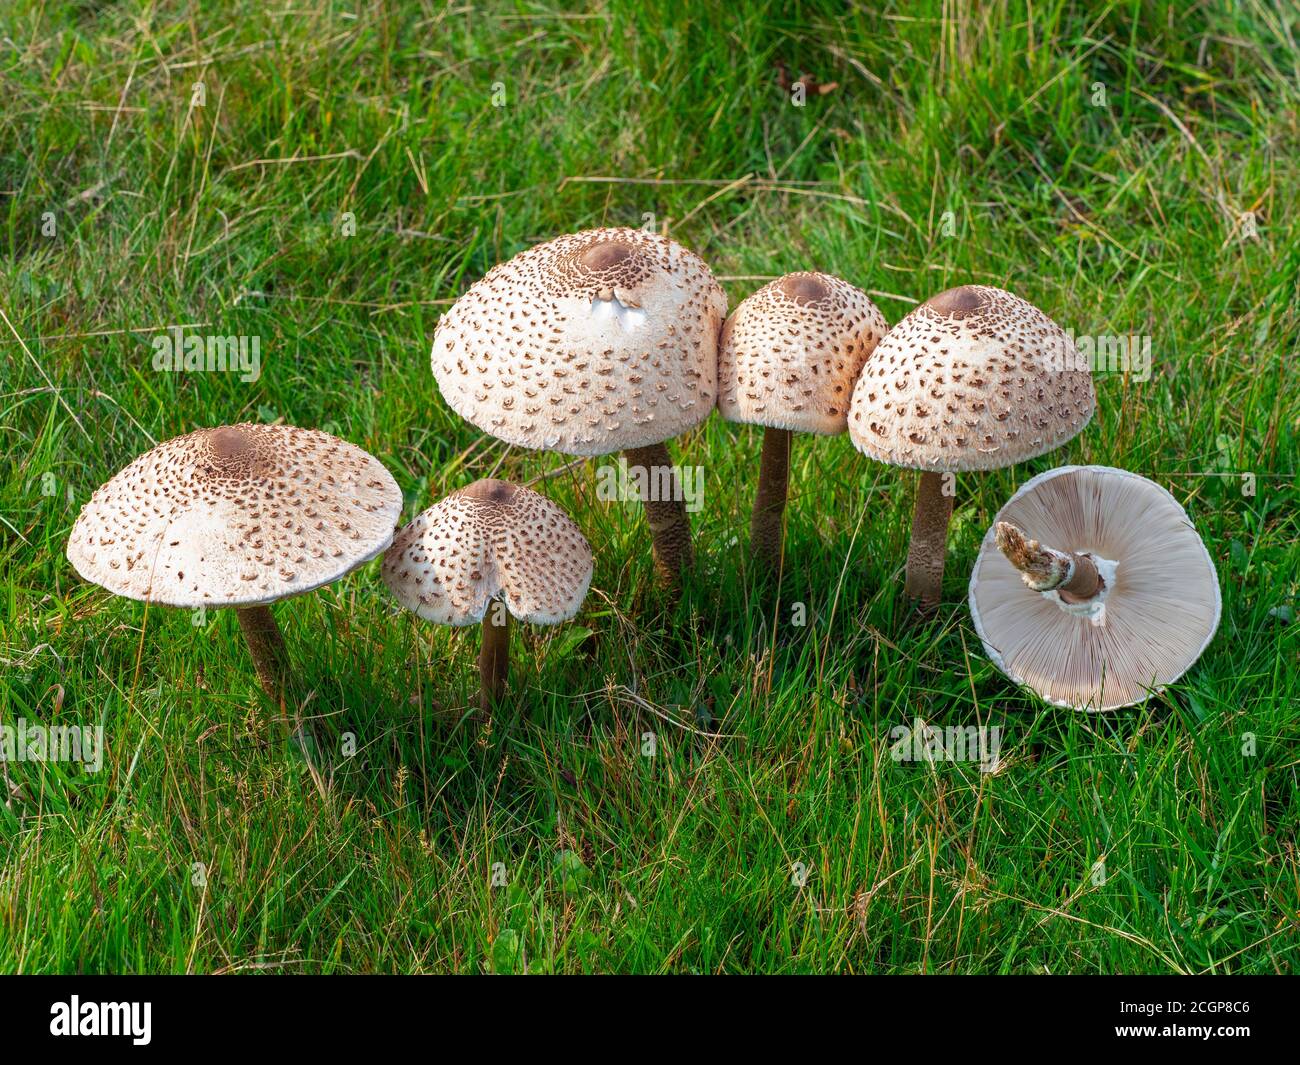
[
  {"x": 238, "y": 516},
  {"x": 973, "y": 379},
  {"x": 1121, "y": 603},
  {"x": 483, "y": 553},
  {"x": 592, "y": 343},
  {"x": 787, "y": 360}
]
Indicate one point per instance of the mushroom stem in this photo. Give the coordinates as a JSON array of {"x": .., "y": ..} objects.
[
  {"x": 925, "y": 556},
  {"x": 266, "y": 645},
  {"x": 494, "y": 656},
  {"x": 766, "y": 530},
  {"x": 670, "y": 528},
  {"x": 1044, "y": 569}
]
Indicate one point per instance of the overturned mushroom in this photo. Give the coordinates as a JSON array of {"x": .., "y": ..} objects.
[
  {"x": 238, "y": 516},
  {"x": 973, "y": 379},
  {"x": 591, "y": 343},
  {"x": 483, "y": 553},
  {"x": 1093, "y": 589},
  {"x": 787, "y": 360}
]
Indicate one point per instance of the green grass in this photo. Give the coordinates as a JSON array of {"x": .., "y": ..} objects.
[{"x": 772, "y": 739}]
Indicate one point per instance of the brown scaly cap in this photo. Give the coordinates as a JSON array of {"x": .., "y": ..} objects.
[
  {"x": 590, "y": 343},
  {"x": 490, "y": 539},
  {"x": 790, "y": 353},
  {"x": 1156, "y": 612},
  {"x": 973, "y": 379},
  {"x": 239, "y": 515}
]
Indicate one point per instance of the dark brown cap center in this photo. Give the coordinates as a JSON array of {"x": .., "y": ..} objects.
[
  {"x": 230, "y": 442},
  {"x": 804, "y": 288},
  {"x": 956, "y": 302},
  {"x": 490, "y": 490},
  {"x": 606, "y": 255}
]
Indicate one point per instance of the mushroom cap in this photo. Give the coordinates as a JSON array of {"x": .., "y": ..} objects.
[
  {"x": 590, "y": 343},
  {"x": 490, "y": 539},
  {"x": 789, "y": 354},
  {"x": 1161, "y": 601},
  {"x": 239, "y": 515},
  {"x": 973, "y": 379}
]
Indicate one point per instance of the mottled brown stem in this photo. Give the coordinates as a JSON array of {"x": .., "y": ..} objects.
[
  {"x": 670, "y": 528},
  {"x": 493, "y": 656},
  {"x": 1072, "y": 575},
  {"x": 766, "y": 531},
  {"x": 925, "y": 556},
  {"x": 266, "y": 645}
]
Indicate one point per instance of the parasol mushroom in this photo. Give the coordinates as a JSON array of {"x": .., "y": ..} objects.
[
  {"x": 1093, "y": 589},
  {"x": 787, "y": 360},
  {"x": 238, "y": 516},
  {"x": 485, "y": 552},
  {"x": 973, "y": 379}
]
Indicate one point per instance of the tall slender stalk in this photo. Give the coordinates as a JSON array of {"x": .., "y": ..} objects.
[
  {"x": 270, "y": 656},
  {"x": 925, "y": 556},
  {"x": 670, "y": 528},
  {"x": 494, "y": 656},
  {"x": 766, "y": 528}
]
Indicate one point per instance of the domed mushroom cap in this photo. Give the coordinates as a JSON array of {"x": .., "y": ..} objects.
[
  {"x": 240, "y": 515},
  {"x": 973, "y": 379},
  {"x": 1156, "y": 614},
  {"x": 789, "y": 354},
  {"x": 490, "y": 539},
  {"x": 590, "y": 343}
]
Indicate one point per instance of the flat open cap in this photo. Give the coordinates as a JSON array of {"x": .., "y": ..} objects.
[
  {"x": 790, "y": 353},
  {"x": 490, "y": 539},
  {"x": 1156, "y": 613},
  {"x": 587, "y": 344},
  {"x": 240, "y": 515},
  {"x": 973, "y": 379}
]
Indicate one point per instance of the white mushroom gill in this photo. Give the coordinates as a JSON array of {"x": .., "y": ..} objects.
[{"x": 630, "y": 318}]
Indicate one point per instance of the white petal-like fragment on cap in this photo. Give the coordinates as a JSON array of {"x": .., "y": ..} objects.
[
  {"x": 240, "y": 515},
  {"x": 1162, "y": 604},
  {"x": 590, "y": 343},
  {"x": 628, "y": 317},
  {"x": 973, "y": 379},
  {"x": 490, "y": 539},
  {"x": 791, "y": 351}
]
